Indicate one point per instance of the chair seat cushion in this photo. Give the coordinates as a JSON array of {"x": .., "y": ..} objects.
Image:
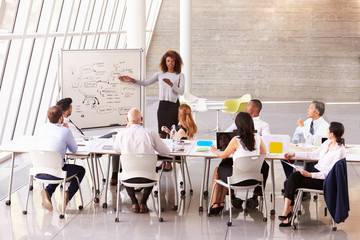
[
  {"x": 138, "y": 180},
  {"x": 247, "y": 182}
]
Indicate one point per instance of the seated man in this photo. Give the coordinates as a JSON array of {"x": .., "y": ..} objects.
[
  {"x": 307, "y": 131},
  {"x": 313, "y": 128},
  {"x": 66, "y": 106},
  {"x": 253, "y": 109},
  {"x": 56, "y": 136},
  {"x": 136, "y": 139}
]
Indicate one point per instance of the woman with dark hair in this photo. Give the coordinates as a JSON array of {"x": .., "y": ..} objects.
[
  {"x": 171, "y": 85},
  {"x": 247, "y": 143},
  {"x": 331, "y": 151}
]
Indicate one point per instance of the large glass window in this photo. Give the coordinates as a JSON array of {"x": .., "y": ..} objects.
[{"x": 33, "y": 32}]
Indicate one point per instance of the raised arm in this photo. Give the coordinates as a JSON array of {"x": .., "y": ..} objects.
[
  {"x": 233, "y": 145},
  {"x": 145, "y": 83}
]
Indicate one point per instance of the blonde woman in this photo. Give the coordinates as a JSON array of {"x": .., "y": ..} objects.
[
  {"x": 187, "y": 127},
  {"x": 185, "y": 130}
]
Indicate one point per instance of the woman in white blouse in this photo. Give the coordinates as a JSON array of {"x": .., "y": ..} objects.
[
  {"x": 171, "y": 85},
  {"x": 247, "y": 143},
  {"x": 331, "y": 151}
]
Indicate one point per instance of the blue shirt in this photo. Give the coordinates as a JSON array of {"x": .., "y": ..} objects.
[{"x": 54, "y": 137}]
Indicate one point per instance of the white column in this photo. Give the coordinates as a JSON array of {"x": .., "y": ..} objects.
[
  {"x": 186, "y": 41},
  {"x": 136, "y": 23}
]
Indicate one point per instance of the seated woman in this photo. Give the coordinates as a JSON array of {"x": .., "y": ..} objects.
[
  {"x": 185, "y": 130},
  {"x": 247, "y": 143},
  {"x": 328, "y": 154}
]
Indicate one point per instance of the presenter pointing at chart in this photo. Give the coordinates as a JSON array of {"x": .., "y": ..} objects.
[{"x": 171, "y": 85}]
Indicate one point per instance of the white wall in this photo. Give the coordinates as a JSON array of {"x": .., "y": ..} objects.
[{"x": 280, "y": 49}]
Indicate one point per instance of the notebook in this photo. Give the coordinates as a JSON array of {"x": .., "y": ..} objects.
[{"x": 223, "y": 139}]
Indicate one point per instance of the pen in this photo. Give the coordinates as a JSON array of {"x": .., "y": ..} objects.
[{"x": 287, "y": 159}]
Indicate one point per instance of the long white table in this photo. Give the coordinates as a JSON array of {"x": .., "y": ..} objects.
[{"x": 25, "y": 144}]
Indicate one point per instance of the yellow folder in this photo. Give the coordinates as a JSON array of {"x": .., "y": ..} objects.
[{"x": 275, "y": 147}]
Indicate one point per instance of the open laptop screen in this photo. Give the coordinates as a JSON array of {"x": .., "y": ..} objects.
[{"x": 223, "y": 139}]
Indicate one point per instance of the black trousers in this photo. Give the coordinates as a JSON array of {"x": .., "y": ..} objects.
[
  {"x": 225, "y": 170},
  {"x": 131, "y": 190},
  {"x": 167, "y": 114},
  {"x": 296, "y": 180},
  {"x": 309, "y": 166}
]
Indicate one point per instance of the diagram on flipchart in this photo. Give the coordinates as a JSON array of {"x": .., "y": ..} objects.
[{"x": 91, "y": 80}]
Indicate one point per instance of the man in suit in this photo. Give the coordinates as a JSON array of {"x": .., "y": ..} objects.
[{"x": 56, "y": 136}]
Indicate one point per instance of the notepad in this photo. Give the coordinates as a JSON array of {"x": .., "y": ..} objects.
[
  {"x": 275, "y": 147},
  {"x": 204, "y": 143},
  {"x": 202, "y": 149}
]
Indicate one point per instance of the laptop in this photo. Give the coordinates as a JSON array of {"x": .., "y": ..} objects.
[{"x": 223, "y": 139}]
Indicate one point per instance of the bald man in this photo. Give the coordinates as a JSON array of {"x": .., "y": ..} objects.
[{"x": 136, "y": 139}]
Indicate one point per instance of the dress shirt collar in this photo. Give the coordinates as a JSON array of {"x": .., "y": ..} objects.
[
  {"x": 135, "y": 126},
  {"x": 317, "y": 120}
]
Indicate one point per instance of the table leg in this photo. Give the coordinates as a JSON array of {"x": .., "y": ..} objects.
[
  {"x": 202, "y": 186},
  {"x": 272, "y": 211},
  {"x": 92, "y": 156},
  {"x": 206, "y": 193},
  {"x": 175, "y": 208},
  {"x": 8, "y": 202},
  {"x": 108, "y": 182},
  {"x": 183, "y": 192}
]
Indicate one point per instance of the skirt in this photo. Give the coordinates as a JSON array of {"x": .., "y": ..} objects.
[{"x": 167, "y": 114}]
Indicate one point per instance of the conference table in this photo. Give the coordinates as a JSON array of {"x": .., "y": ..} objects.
[
  {"x": 25, "y": 144},
  {"x": 181, "y": 149}
]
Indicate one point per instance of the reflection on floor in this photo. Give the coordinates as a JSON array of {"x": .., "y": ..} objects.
[{"x": 96, "y": 222}]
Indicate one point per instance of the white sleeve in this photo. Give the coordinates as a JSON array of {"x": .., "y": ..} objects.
[
  {"x": 159, "y": 146},
  {"x": 150, "y": 81},
  {"x": 179, "y": 86}
]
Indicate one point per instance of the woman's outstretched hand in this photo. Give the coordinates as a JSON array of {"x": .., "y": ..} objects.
[
  {"x": 126, "y": 79},
  {"x": 168, "y": 82}
]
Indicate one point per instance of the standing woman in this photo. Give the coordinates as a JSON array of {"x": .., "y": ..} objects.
[
  {"x": 171, "y": 85},
  {"x": 331, "y": 151}
]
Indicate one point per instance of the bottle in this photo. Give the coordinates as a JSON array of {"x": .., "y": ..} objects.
[{"x": 172, "y": 132}]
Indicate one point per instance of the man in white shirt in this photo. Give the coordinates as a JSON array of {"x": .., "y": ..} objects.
[
  {"x": 314, "y": 128},
  {"x": 253, "y": 109},
  {"x": 56, "y": 136},
  {"x": 136, "y": 139},
  {"x": 310, "y": 131}
]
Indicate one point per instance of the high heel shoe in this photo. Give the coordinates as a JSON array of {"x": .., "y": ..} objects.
[
  {"x": 282, "y": 218},
  {"x": 288, "y": 224},
  {"x": 216, "y": 210}
]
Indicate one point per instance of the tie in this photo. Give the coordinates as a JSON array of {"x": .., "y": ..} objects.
[
  {"x": 312, "y": 128},
  {"x": 77, "y": 127}
]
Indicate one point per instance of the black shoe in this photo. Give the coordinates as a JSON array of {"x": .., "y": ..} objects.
[
  {"x": 252, "y": 203},
  {"x": 237, "y": 202},
  {"x": 282, "y": 218},
  {"x": 288, "y": 224}
]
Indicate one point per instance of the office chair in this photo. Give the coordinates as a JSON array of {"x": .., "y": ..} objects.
[
  {"x": 48, "y": 162},
  {"x": 244, "y": 169},
  {"x": 138, "y": 166}
]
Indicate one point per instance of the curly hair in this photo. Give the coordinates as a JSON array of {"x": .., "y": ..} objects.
[{"x": 174, "y": 55}]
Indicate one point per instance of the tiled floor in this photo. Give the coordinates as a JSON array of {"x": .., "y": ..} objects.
[{"x": 95, "y": 222}]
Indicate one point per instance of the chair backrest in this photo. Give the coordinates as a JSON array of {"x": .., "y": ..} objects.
[
  {"x": 201, "y": 106},
  {"x": 244, "y": 100},
  {"x": 47, "y": 162},
  {"x": 247, "y": 168},
  {"x": 138, "y": 165},
  {"x": 232, "y": 105}
]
